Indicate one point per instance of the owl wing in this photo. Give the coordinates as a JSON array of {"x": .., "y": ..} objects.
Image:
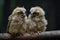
[
  {"x": 9, "y": 22},
  {"x": 44, "y": 21}
]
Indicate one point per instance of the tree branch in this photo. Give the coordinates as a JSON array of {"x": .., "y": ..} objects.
[{"x": 43, "y": 35}]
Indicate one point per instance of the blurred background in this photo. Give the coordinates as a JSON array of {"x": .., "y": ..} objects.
[{"x": 51, "y": 8}]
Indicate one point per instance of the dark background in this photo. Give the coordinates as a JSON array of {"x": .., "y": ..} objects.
[{"x": 51, "y": 7}]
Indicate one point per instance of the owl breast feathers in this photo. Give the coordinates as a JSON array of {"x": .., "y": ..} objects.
[{"x": 20, "y": 23}]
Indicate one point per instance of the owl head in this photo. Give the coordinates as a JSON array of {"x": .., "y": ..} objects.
[
  {"x": 37, "y": 11},
  {"x": 18, "y": 11}
]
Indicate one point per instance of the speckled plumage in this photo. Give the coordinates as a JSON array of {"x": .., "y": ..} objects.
[
  {"x": 20, "y": 23},
  {"x": 16, "y": 19}
]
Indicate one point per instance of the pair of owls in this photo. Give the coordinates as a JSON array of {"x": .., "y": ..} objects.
[{"x": 20, "y": 23}]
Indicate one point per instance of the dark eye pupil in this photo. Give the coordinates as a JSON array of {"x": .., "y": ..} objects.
[
  {"x": 20, "y": 13},
  {"x": 35, "y": 14}
]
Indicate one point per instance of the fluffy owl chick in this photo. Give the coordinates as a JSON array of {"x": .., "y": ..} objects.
[
  {"x": 16, "y": 19},
  {"x": 37, "y": 15}
]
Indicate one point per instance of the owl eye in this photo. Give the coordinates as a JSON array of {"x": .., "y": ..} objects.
[
  {"x": 20, "y": 13},
  {"x": 35, "y": 14}
]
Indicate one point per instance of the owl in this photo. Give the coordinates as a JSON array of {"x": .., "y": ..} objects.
[
  {"x": 37, "y": 21},
  {"x": 20, "y": 23},
  {"x": 16, "y": 19}
]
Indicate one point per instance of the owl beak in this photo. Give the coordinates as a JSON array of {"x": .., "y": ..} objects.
[
  {"x": 25, "y": 17},
  {"x": 29, "y": 16}
]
